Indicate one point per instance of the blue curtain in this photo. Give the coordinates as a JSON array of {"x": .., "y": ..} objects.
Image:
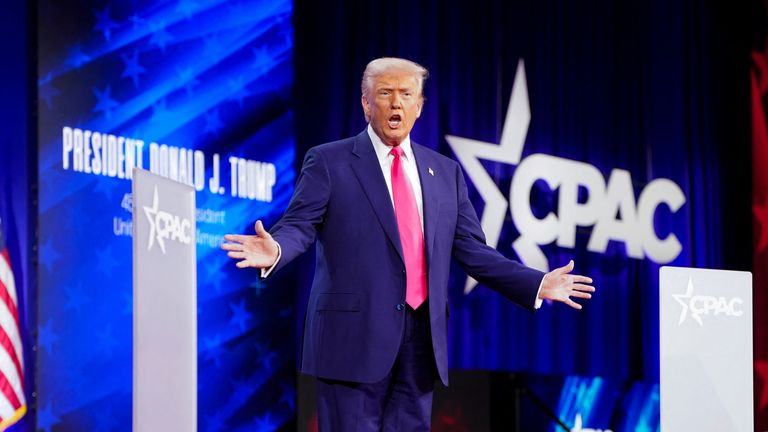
[{"x": 656, "y": 88}]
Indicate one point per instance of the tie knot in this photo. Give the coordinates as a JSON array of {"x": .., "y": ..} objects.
[{"x": 396, "y": 151}]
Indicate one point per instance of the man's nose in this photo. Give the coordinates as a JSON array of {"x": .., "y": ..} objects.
[{"x": 396, "y": 100}]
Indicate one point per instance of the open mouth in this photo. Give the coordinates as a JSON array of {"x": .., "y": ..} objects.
[{"x": 394, "y": 121}]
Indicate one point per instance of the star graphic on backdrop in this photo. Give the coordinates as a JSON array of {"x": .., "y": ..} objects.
[
  {"x": 266, "y": 359},
  {"x": 104, "y": 23},
  {"x": 104, "y": 419},
  {"x": 46, "y": 337},
  {"x": 240, "y": 316},
  {"x": 77, "y": 57},
  {"x": 212, "y": 122},
  {"x": 107, "y": 341},
  {"x": 470, "y": 152},
  {"x": 238, "y": 90},
  {"x": 137, "y": 21},
  {"x": 48, "y": 255},
  {"x": 242, "y": 391},
  {"x": 265, "y": 423},
  {"x": 261, "y": 59},
  {"x": 187, "y": 7},
  {"x": 215, "y": 423},
  {"x": 213, "y": 275},
  {"x": 760, "y": 212},
  {"x": 213, "y": 349},
  {"x": 104, "y": 101},
  {"x": 46, "y": 90},
  {"x": 132, "y": 69},
  {"x": 684, "y": 300},
  {"x": 160, "y": 36},
  {"x": 106, "y": 261},
  {"x": 75, "y": 298},
  {"x": 761, "y": 367},
  {"x": 46, "y": 419},
  {"x": 188, "y": 79}
]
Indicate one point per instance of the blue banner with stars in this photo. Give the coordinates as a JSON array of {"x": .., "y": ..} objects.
[{"x": 197, "y": 91}]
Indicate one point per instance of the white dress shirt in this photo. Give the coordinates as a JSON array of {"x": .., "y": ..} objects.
[{"x": 407, "y": 163}]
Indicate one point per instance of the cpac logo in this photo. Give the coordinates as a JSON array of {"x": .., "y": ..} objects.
[
  {"x": 697, "y": 305},
  {"x": 605, "y": 201},
  {"x": 164, "y": 226}
]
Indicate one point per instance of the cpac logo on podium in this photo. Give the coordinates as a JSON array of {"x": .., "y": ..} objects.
[
  {"x": 165, "y": 226},
  {"x": 606, "y": 199},
  {"x": 697, "y": 305}
]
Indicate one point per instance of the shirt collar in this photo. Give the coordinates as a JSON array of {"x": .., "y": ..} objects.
[{"x": 382, "y": 150}]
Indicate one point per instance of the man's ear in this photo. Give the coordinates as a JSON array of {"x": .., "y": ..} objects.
[{"x": 366, "y": 107}]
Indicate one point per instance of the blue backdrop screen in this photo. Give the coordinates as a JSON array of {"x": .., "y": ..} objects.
[{"x": 198, "y": 91}]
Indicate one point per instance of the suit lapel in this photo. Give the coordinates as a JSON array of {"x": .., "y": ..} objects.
[
  {"x": 429, "y": 196},
  {"x": 368, "y": 172}
]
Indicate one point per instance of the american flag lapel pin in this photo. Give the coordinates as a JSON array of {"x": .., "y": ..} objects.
[{"x": 432, "y": 173}]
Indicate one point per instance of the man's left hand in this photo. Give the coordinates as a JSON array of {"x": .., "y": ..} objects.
[{"x": 560, "y": 285}]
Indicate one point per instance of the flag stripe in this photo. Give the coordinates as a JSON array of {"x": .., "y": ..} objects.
[
  {"x": 11, "y": 308},
  {"x": 9, "y": 325},
  {"x": 6, "y": 298},
  {"x": 5, "y": 342},
  {"x": 6, "y": 276},
  {"x": 9, "y": 375},
  {"x": 12, "y": 398},
  {"x": 8, "y": 393}
]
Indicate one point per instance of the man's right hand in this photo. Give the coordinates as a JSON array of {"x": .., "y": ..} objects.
[{"x": 259, "y": 251}]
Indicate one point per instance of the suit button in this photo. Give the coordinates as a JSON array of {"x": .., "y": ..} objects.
[{"x": 400, "y": 306}]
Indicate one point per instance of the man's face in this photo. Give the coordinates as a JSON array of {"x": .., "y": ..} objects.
[{"x": 392, "y": 105}]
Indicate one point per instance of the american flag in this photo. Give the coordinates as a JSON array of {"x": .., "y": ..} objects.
[{"x": 13, "y": 405}]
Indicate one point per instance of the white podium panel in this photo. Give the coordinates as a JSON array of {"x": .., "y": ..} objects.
[
  {"x": 706, "y": 350},
  {"x": 164, "y": 305}
]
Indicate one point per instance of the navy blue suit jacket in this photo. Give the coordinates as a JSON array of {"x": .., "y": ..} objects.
[{"x": 354, "y": 325}]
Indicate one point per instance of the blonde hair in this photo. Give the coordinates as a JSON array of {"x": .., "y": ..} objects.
[{"x": 386, "y": 64}]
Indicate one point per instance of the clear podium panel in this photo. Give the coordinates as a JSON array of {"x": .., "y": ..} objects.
[
  {"x": 164, "y": 305},
  {"x": 706, "y": 350}
]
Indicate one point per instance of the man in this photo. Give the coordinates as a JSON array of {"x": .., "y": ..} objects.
[{"x": 387, "y": 215}]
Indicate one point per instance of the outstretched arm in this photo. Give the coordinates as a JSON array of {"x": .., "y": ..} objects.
[{"x": 295, "y": 231}]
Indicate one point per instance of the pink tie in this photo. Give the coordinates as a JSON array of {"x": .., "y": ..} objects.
[{"x": 411, "y": 237}]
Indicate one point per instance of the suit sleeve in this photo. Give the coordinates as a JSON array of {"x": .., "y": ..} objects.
[
  {"x": 297, "y": 229},
  {"x": 484, "y": 263}
]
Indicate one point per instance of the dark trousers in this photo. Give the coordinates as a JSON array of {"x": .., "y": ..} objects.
[{"x": 401, "y": 402}]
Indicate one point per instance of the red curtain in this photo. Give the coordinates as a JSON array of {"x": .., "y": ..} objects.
[{"x": 760, "y": 229}]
